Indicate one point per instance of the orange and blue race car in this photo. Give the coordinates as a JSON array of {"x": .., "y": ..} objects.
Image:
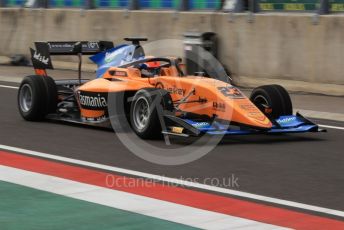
[{"x": 152, "y": 95}]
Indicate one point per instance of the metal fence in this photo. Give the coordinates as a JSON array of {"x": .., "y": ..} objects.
[
  {"x": 141, "y": 4},
  {"x": 289, "y": 5},
  {"x": 319, "y": 6}
]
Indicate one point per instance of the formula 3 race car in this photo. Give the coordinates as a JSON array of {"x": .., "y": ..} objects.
[{"x": 152, "y": 94}]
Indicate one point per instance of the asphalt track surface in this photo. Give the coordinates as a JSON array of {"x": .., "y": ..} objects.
[{"x": 305, "y": 168}]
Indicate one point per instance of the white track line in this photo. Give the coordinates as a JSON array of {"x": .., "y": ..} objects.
[
  {"x": 332, "y": 127},
  {"x": 130, "y": 202},
  {"x": 178, "y": 181},
  {"x": 9, "y": 87},
  {"x": 321, "y": 115}
]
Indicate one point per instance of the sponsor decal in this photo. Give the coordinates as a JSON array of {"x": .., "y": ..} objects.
[
  {"x": 94, "y": 119},
  {"x": 254, "y": 112},
  {"x": 41, "y": 58},
  {"x": 118, "y": 73},
  {"x": 178, "y": 130},
  {"x": 92, "y": 101},
  {"x": 109, "y": 56},
  {"x": 230, "y": 91},
  {"x": 175, "y": 90},
  {"x": 219, "y": 106},
  {"x": 200, "y": 124},
  {"x": 59, "y": 45},
  {"x": 93, "y": 45},
  {"x": 286, "y": 120},
  {"x": 248, "y": 107},
  {"x": 68, "y": 46}
]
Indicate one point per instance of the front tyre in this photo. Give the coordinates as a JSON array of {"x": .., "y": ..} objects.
[
  {"x": 273, "y": 100},
  {"x": 145, "y": 109}
]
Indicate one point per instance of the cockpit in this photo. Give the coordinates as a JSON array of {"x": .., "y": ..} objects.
[{"x": 153, "y": 67}]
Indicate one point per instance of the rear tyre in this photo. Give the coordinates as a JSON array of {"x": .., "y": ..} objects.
[
  {"x": 273, "y": 100},
  {"x": 37, "y": 96},
  {"x": 144, "y": 114}
]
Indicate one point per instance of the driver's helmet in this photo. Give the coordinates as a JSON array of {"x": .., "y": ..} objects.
[
  {"x": 148, "y": 65},
  {"x": 148, "y": 68},
  {"x": 152, "y": 64}
]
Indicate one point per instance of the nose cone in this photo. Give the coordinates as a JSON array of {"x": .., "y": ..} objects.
[
  {"x": 260, "y": 121},
  {"x": 246, "y": 113}
]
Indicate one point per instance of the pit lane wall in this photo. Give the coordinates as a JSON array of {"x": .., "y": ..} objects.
[{"x": 288, "y": 48}]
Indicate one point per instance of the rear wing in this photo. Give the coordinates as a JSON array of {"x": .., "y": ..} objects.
[{"x": 41, "y": 59}]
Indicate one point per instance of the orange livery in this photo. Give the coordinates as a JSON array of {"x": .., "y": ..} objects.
[{"x": 153, "y": 94}]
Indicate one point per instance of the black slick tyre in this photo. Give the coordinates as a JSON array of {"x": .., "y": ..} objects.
[
  {"x": 273, "y": 100},
  {"x": 37, "y": 96}
]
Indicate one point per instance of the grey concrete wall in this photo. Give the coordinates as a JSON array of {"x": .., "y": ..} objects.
[{"x": 272, "y": 46}]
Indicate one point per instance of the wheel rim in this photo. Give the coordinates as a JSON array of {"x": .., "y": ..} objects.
[
  {"x": 261, "y": 101},
  {"x": 25, "y": 98},
  {"x": 141, "y": 113}
]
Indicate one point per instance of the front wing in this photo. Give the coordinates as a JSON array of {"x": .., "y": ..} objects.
[{"x": 284, "y": 124}]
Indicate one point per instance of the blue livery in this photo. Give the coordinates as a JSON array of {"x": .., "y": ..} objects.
[
  {"x": 284, "y": 124},
  {"x": 117, "y": 56}
]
